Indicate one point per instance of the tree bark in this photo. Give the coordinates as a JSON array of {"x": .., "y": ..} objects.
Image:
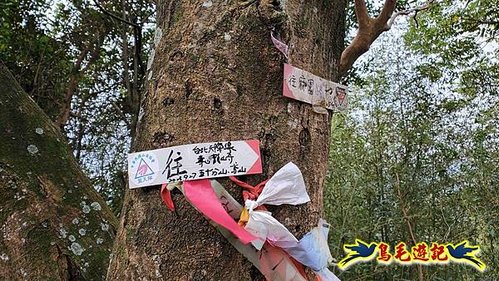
[
  {"x": 53, "y": 224},
  {"x": 216, "y": 76}
]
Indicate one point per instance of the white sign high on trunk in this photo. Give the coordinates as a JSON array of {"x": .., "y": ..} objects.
[
  {"x": 304, "y": 86},
  {"x": 194, "y": 161}
]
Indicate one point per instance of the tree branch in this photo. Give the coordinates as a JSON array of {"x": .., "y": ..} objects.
[
  {"x": 415, "y": 10},
  {"x": 387, "y": 11},
  {"x": 361, "y": 13},
  {"x": 106, "y": 12},
  {"x": 370, "y": 29},
  {"x": 404, "y": 209},
  {"x": 93, "y": 49}
]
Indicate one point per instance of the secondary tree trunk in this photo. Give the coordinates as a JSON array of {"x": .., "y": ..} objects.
[
  {"x": 216, "y": 76},
  {"x": 53, "y": 224}
]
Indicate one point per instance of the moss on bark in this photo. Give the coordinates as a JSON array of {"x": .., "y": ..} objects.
[{"x": 54, "y": 226}]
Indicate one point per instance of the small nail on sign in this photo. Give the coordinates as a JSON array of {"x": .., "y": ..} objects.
[{"x": 194, "y": 161}]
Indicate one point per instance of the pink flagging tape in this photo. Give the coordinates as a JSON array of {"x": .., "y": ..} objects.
[
  {"x": 167, "y": 197},
  {"x": 274, "y": 263},
  {"x": 279, "y": 45},
  {"x": 201, "y": 195}
]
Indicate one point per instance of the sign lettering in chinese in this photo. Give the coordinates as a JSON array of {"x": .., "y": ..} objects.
[
  {"x": 194, "y": 161},
  {"x": 421, "y": 253},
  {"x": 306, "y": 87}
]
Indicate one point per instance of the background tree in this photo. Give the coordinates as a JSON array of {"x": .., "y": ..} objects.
[
  {"x": 416, "y": 158},
  {"x": 83, "y": 63},
  {"x": 54, "y": 225}
]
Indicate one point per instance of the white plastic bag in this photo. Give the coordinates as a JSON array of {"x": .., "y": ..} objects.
[
  {"x": 285, "y": 187},
  {"x": 313, "y": 250},
  {"x": 262, "y": 225}
]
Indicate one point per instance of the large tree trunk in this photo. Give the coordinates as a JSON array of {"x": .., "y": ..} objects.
[
  {"x": 216, "y": 76},
  {"x": 53, "y": 224}
]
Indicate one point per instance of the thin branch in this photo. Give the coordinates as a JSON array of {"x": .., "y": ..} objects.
[
  {"x": 409, "y": 225},
  {"x": 414, "y": 11},
  {"x": 403, "y": 208},
  {"x": 75, "y": 77},
  {"x": 79, "y": 116},
  {"x": 106, "y": 12},
  {"x": 370, "y": 29},
  {"x": 488, "y": 22},
  {"x": 121, "y": 113}
]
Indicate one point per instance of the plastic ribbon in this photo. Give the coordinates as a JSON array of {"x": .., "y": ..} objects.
[
  {"x": 202, "y": 197},
  {"x": 167, "y": 197},
  {"x": 286, "y": 186},
  {"x": 279, "y": 45},
  {"x": 272, "y": 262}
]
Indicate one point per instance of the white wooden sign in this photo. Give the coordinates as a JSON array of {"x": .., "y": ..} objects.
[
  {"x": 304, "y": 86},
  {"x": 194, "y": 161}
]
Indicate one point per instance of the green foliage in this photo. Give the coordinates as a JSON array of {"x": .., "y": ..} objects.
[
  {"x": 39, "y": 62},
  {"x": 457, "y": 35},
  {"x": 419, "y": 148},
  {"x": 84, "y": 65}
]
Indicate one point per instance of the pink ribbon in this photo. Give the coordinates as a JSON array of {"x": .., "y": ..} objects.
[
  {"x": 279, "y": 45},
  {"x": 201, "y": 195},
  {"x": 167, "y": 197}
]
